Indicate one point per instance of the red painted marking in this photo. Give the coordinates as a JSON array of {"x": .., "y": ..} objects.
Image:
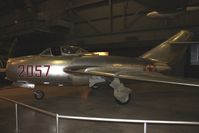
[
  {"x": 29, "y": 71},
  {"x": 33, "y": 71},
  {"x": 38, "y": 70},
  {"x": 21, "y": 69},
  {"x": 48, "y": 66},
  {"x": 150, "y": 68}
]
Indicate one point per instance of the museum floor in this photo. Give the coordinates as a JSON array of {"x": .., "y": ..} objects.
[{"x": 151, "y": 101}]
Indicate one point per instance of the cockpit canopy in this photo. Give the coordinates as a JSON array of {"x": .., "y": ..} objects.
[{"x": 63, "y": 51}]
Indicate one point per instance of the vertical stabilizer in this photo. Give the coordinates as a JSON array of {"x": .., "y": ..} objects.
[{"x": 171, "y": 50}]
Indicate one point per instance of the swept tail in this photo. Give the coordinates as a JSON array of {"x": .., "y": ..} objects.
[{"x": 171, "y": 50}]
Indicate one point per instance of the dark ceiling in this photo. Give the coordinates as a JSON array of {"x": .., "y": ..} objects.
[
  {"x": 7, "y": 5},
  {"x": 164, "y": 4},
  {"x": 168, "y": 5}
]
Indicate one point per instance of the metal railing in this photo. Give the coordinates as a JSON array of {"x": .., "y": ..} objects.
[{"x": 96, "y": 119}]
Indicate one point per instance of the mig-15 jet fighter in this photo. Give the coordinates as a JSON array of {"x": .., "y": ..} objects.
[{"x": 73, "y": 65}]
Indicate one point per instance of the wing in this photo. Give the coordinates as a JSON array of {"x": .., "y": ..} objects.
[
  {"x": 2, "y": 70},
  {"x": 136, "y": 75}
]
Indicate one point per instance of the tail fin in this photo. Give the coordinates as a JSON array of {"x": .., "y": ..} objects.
[{"x": 171, "y": 50}]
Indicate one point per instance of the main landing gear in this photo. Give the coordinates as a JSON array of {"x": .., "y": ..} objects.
[{"x": 122, "y": 94}]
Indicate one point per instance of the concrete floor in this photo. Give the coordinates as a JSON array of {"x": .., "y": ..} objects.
[{"x": 151, "y": 101}]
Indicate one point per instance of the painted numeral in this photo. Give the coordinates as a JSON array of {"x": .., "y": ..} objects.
[
  {"x": 21, "y": 69},
  {"x": 38, "y": 71},
  {"x": 31, "y": 71},
  {"x": 48, "y": 68}
]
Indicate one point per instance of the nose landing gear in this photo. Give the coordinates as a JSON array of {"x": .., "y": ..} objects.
[{"x": 38, "y": 94}]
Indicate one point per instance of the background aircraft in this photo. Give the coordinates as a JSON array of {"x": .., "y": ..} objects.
[
  {"x": 172, "y": 14},
  {"x": 168, "y": 9},
  {"x": 73, "y": 65}
]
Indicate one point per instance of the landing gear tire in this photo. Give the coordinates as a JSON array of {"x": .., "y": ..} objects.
[
  {"x": 124, "y": 101},
  {"x": 39, "y": 95}
]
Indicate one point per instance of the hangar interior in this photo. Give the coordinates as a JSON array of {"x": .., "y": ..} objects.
[{"x": 120, "y": 27}]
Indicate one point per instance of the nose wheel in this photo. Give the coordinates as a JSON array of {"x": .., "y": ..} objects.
[{"x": 38, "y": 94}]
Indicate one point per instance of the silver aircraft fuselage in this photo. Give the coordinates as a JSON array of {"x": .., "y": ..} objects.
[
  {"x": 68, "y": 65},
  {"x": 50, "y": 69}
]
